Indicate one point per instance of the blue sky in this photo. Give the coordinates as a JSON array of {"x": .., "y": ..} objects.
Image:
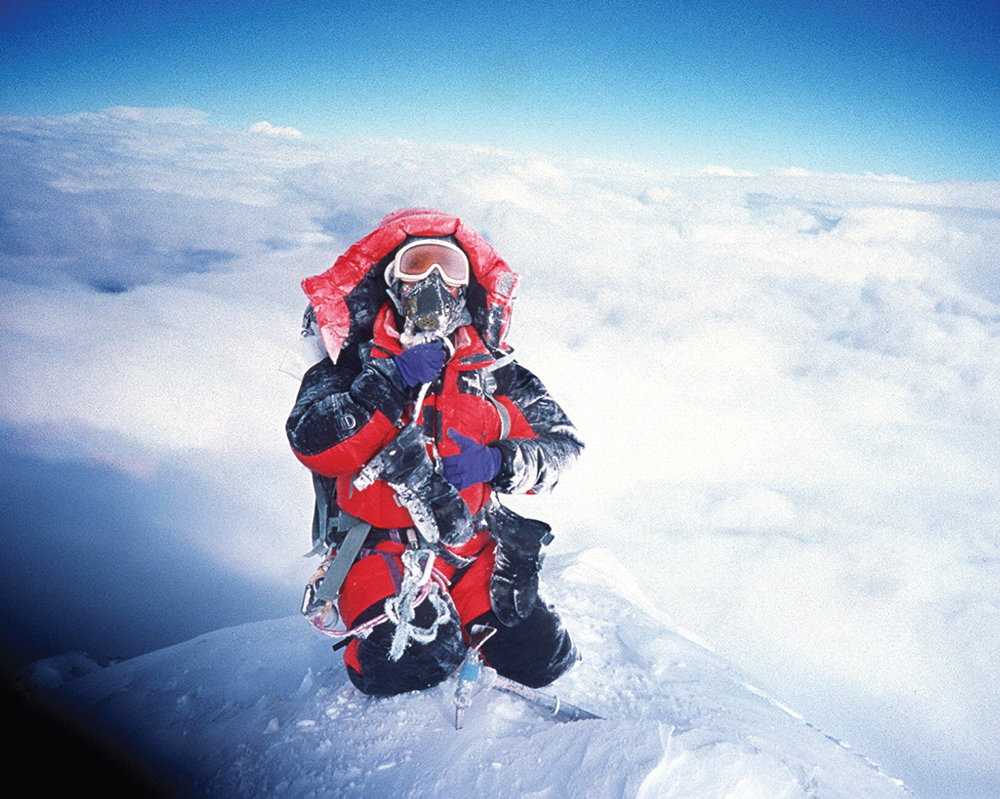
[{"x": 911, "y": 88}]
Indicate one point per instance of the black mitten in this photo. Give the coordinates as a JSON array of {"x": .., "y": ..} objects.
[
  {"x": 405, "y": 461},
  {"x": 514, "y": 585}
]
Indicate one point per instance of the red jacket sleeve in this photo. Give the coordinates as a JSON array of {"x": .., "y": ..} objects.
[{"x": 345, "y": 413}]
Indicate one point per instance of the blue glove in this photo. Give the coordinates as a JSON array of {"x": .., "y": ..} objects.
[
  {"x": 420, "y": 364},
  {"x": 475, "y": 464}
]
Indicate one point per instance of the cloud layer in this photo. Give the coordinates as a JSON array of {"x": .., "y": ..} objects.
[{"x": 789, "y": 383}]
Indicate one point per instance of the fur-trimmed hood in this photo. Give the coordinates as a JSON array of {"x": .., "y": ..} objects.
[{"x": 347, "y": 297}]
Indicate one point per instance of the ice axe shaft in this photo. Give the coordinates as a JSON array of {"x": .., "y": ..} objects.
[{"x": 549, "y": 703}]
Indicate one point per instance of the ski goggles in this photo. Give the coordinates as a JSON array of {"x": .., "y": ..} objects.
[{"x": 418, "y": 259}]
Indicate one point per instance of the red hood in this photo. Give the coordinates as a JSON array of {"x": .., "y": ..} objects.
[{"x": 347, "y": 297}]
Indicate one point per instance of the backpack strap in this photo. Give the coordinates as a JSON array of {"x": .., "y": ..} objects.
[{"x": 357, "y": 531}]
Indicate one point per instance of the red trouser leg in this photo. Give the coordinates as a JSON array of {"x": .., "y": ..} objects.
[
  {"x": 369, "y": 583},
  {"x": 470, "y": 588},
  {"x": 534, "y": 652}
]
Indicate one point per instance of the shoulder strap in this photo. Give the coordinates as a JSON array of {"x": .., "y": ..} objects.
[
  {"x": 357, "y": 532},
  {"x": 489, "y": 389}
]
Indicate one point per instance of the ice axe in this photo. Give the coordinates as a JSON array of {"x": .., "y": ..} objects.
[{"x": 473, "y": 669}]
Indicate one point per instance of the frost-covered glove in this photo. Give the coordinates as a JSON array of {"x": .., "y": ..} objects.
[
  {"x": 476, "y": 463},
  {"x": 405, "y": 460},
  {"x": 437, "y": 510},
  {"x": 421, "y": 363}
]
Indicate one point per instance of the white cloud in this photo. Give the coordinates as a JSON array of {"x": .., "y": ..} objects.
[
  {"x": 271, "y": 130},
  {"x": 725, "y": 172},
  {"x": 159, "y": 116},
  {"x": 789, "y": 383}
]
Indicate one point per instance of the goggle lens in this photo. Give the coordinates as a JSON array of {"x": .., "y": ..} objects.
[{"x": 415, "y": 261}]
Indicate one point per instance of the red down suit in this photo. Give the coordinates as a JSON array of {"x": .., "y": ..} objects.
[{"x": 352, "y": 404}]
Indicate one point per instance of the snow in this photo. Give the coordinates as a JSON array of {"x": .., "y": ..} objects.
[{"x": 265, "y": 709}]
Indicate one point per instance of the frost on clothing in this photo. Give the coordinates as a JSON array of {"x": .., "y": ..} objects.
[
  {"x": 376, "y": 444},
  {"x": 347, "y": 413}
]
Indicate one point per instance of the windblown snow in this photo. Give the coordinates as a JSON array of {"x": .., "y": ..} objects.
[{"x": 265, "y": 709}]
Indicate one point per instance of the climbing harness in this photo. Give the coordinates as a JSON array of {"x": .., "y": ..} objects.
[
  {"x": 420, "y": 581},
  {"x": 324, "y": 587}
]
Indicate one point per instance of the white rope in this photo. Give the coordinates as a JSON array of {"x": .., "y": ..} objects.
[{"x": 401, "y": 608}]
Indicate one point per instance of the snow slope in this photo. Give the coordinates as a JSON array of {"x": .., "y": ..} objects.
[{"x": 264, "y": 709}]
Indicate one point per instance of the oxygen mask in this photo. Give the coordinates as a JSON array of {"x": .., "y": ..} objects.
[{"x": 428, "y": 281}]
